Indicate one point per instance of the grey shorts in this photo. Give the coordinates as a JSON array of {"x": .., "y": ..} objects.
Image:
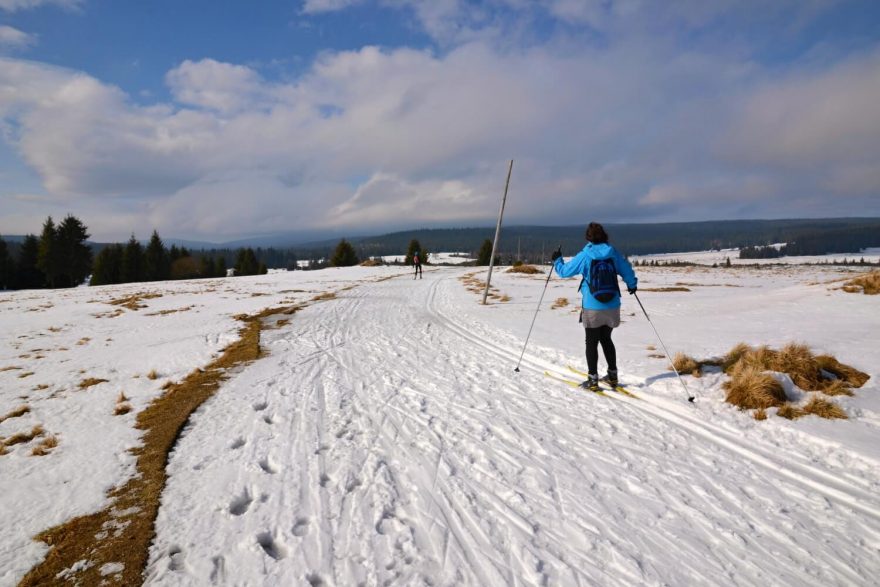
[{"x": 597, "y": 318}]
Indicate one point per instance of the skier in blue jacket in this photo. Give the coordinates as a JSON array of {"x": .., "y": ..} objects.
[{"x": 598, "y": 317}]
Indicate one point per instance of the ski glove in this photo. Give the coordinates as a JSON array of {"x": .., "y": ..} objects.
[
  {"x": 556, "y": 254},
  {"x": 632, "y": 290}
]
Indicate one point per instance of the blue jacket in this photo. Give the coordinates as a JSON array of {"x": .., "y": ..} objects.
[{"x": 580, "y": 265}]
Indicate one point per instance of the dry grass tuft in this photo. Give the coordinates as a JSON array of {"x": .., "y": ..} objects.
[
  {"x": 132, "y": 302},
  {"x": 559, "y": 303},
  {"x": 750, "y": 388},
  {"x": 651, "y": 347},
  {"x": 526, "y": 269},
  {"x": 372, "y": 263},
  {"x": 19, "y": 411},
  {"x": 121, "y": 409},
  {"x": 760, "y": 414},
  {"x": 327, "y": 295},
  {"x": 790, "y": 411},
  {"x": 10, "y": 368},
  {"x": 23, "y": 437},
  {"x": 152, "y": 375},
  {"x": 686, "y": 364},
  {"x": 799, "y": 363},
  {"x": 850, "y": 375},
  {"x": 823, "y": 408},
  {"x": 662, "y": 289},
  {"x": 45, "y": 447},
  {"x": 25, "y": 374},
  {"x": 868, "y": 284},
  {"x": 504, "y": 298},
  {"x": 86, "y": 383}
]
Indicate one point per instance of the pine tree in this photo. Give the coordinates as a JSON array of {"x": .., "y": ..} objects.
[
  {"x": 132, "y": 261},
  {"x": 343, "y": 255},
  {"x": 107, "y": 268},
  {"x": 28, "y": 274},
  {"x": 220, "y": 267},
  {"x": 485, "y": 253},
  {"x": 75, "y": 257},
  {"x": 413, "y": 248},
  {"x": 246, "y": 262},
  {"x": 6, "y": 267},
  {"x": 47, "y": 255},
  {"x": 157, "y": 264}
]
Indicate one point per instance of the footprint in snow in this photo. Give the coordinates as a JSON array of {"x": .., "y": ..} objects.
[
  {"x": 269, "y": 419},
  {"x": 272, "y": 546},
  {"x": 260, "y": 406},
  {"x": 268, "y": 465},
  {"x": 300, "y": 527},
  {"x": 237, "y": 443},
  {"x": 242, "y": 503}
]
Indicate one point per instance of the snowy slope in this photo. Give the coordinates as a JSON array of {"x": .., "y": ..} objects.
[{"x": 385, "y": 438}]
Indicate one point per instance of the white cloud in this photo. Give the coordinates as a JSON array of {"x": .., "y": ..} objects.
[
  {"x": 371, "y": 137},
  {"x": 15, "y": 39},
  {"x": 318, "y": 6},
  {"x": 16, "y": 5}
]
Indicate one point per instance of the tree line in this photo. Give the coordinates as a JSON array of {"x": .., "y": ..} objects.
[{"x": 60, "y": 257}]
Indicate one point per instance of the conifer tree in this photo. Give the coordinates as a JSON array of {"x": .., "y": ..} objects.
[
  {"x": 246, "y": 262},
  {"x": 28, "y": 274},
  {"x": 132, "y": 261},
  {"x": 108, "y": 265},
  {"x": 157, "y": 264},
  {"x": 411, "y": 249},
  {"x": 485, "y": 253},
  {"x": 6, "y": 268},
  {"x": 48, "y": 259},
  {"x": 75, "y": 257},
  {"x": 220, "y": 267},
  {"x": 344, "y": 255}
]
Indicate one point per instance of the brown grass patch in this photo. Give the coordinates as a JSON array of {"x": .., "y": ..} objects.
[
  {"x": 504, "y": 298},
  {"x": 25, "y": 374},
  {"x": 83, "y": 341},
  {"x": 121, "y": 409},
  {"x": 17, "y": 412},
  {"x": 850, "y": 375},
  {"x": 818, "y": 406},
  {"x": 372, "y": 263},
  {"x": 750, "y": 388},
  {"x": 22, "y": 437},
  {"x": 10, "y": 368},
  {"x": 656, "y": 356},
  {"x": 174, "y": 311},
  {"x": 790, "y": 411},
  {"x": 132, "y": 302},
  {"x": 660, "y": 289},
  {"x": 526, "y": 269},
  {"x": 651, "y": 347},
  {"x": 868, "y": 284},
  {"x": 86, "y": 383},
  {"x": 685, "y": 364},
  {"x": 152, "y": 375},
  {"x": 760, "y": 414},
  {"x": 135, "y": 504},
  {"x": 45, "y": 447},
  {"x": 327, "y": 295},
  {"x": 559, "y": 303}
]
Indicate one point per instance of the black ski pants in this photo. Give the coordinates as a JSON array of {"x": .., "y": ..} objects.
[
  {"x": 594, "y": 337},
  {"x": 418, "y": 272}
]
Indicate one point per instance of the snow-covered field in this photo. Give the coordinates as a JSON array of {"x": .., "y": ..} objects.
[
  {"x": 438, "y": 258},
  {"x": 385, "y": 438}
]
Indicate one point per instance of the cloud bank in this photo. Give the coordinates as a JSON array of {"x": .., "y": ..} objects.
[{"x": 638, "y": 129}]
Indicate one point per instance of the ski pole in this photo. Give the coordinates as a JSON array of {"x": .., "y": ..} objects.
[
  {"x": 690, "y": 397},
  {"x": 549, "y": 273}
]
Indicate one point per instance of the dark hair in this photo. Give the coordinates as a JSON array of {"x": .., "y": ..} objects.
[{"x": 596, "y": 234}]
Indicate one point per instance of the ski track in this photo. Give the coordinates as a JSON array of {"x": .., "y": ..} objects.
[{"x": 382, "y": 441}]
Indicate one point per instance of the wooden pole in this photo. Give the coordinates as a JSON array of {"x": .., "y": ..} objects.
[{"x": 497, "y": 233}]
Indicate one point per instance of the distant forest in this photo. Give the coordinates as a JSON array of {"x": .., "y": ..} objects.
[
  {"x": 534, "y": 243},
  {"x": 61, "y": 256}
]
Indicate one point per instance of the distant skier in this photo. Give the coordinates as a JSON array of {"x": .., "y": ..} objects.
[
  {"x": 417, "y": 263},
  {"x": 599, "y": 263}
]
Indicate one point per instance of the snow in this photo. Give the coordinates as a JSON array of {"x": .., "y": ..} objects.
[
  {"x": 385, "y": 438},
  {"x": 720, "y": 257},
  {"x": 436, "y": 258}
]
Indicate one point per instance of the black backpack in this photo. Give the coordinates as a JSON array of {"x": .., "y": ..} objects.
[{"x": 602, "y": 280}]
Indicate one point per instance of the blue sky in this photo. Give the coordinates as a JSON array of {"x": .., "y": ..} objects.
[{"x": 219, "y": 120}]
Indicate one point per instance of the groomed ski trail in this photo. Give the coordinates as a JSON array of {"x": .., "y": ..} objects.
[{"x": 382, "y": 441}]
